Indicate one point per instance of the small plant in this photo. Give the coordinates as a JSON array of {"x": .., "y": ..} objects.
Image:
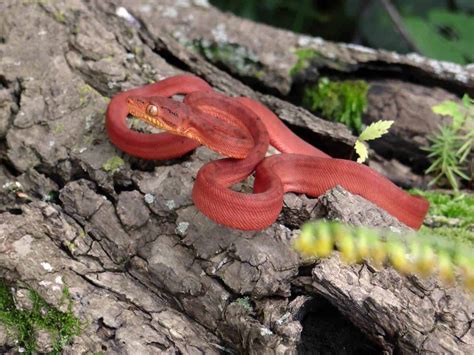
[
  {"x": 113, "y": 164},
  {"x": 451, "y": 147},
  {"x": 343, "y": 101},
  {"x": 451, "y": 215},
  {"x": 59, "y": 16},
  {"x": 305, "y": 55},
  {"x": 421, "y": 255},
  {"x": 62, "y": 326},
  {"x": 374, "y": 131},
  {"x": 245, "y": 303}
]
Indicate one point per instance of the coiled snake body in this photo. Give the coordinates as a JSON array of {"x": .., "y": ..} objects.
[{"x": 242, "y": 129}]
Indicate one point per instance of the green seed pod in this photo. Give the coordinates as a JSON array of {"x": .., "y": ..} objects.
[
  {"x": 397, "y": 255},
  {"x": 425, "y": 261},
  {"x": 304, "y": 243},
  {"x": 377, "y": 250},
  {"x": 468, "y": 279},
  {"x": 462, "y": 260},
  {"x": 361, "y": 239},
  {"x": 339, "y": 230},
  {"x": 324, "y": 243},
  {"x": 345, "y": 244},
  {"x": 465, "y": 262},
  {"x": 445, "y": 267}
]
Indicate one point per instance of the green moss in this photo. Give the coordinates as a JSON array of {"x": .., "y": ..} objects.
[
  {"x": 88, "y": 139},
  {"x": 85, "y": 93},
  {"x": 305, "y": 56},
  {"x": 86, "y": 89},
  {"x": 244, "y": 302},
  {"x": 59, "y": 128},
  {"x": 259, "y": 74},
  {"x": 113, "y": 164},
  {"x": 446, "y": 208},
  {"x": 51, "y": 196},
  {"x": 24, "y": 323},
  {"x": 450, "y": 205},
  {"x": 236, "y": 57},
  {"x": 339, "y": 101},
  {"x": 458, "y": 234},
  {"x": 139, "y": 54},
  {"x": 138, "y": 51},
  {"x": 71, "y": 246},
  {"x": 82, "y": 233},
  {"x": 59, "y": 16}
]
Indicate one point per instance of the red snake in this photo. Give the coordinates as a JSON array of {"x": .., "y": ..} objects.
[{"x": 242, "y": 129}]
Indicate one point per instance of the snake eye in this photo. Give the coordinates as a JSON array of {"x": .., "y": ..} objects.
[{"x": 152, "y": 110}]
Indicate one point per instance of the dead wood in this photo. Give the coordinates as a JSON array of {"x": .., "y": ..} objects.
[{"x": 146, "y": 271}]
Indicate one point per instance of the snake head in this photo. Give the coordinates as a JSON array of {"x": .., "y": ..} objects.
[
  {"x": 160, "y": 112},
  {"x": 180, "y": 119}
]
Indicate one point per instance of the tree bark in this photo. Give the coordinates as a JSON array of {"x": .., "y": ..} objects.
[{"x": 147, "y": 272}]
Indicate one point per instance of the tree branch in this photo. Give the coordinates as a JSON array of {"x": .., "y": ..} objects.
[{"x": 398, "y": 22}]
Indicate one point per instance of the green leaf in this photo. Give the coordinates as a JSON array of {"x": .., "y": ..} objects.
[
  {"x": 443, "y": 35},
  {"x": 430, "y": 42},
  {"x": 375, "y": 130},
  {"x": 433, "y": 166},
  {"x": 361, "y": 151},
  {"x": 452, "y": 179},
  {"x": 467, "y": 101},
  {"x": 460, "y": 173},
  {"x": 450, "y": 108},
  {"x": 465, "y": 150},
  {"x": 460, "y": 25}
]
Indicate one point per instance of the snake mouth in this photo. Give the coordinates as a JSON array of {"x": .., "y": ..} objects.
[
  {"x": 146, "y": 118},
  {"x": 140, "y": 113}
]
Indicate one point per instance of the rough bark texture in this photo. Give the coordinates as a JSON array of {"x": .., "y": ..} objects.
[{"x": 147, "y": 272}]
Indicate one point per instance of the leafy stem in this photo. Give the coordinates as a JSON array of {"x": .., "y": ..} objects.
[{"x": 452, "y": 145}]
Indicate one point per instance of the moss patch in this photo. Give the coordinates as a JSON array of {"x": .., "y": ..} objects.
[
  {"x": 59, "y": 16},
  {"x": 446, "y": 208},
  {"x": 58, "y": 128},
  {"x": 113, "y": 164},
  {"x": 237, "y": 58},
  {"x": 245, "y": 303},
  {"x": 87, "y": 93},
  {"x": 338, "y": 101},
  {"x": 458, "y": 234},
  {"x": 304, "y": 56},
  {"x": 24, "y": 323}
]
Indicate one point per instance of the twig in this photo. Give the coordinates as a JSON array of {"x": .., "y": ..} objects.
[{"x": 398, "y": 22}]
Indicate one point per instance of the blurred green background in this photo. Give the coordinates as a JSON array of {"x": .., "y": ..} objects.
[{"x": 441, "y": 29}]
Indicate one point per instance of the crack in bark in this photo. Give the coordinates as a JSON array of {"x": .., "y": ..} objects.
[{"x": 120, "y": 296}]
